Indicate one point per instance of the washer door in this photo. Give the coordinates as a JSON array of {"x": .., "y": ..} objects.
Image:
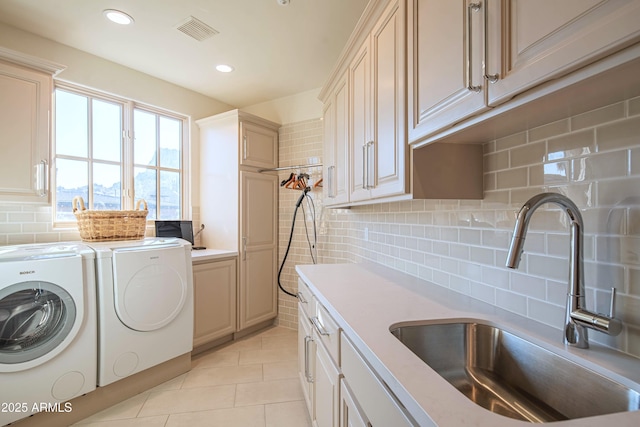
[
  {"x": 35, "y": 318},
  {"x": 150, "y": 286}
]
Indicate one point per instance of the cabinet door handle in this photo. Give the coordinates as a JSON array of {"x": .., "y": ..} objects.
[
  {"x": 307, "y": 374},
  {"x": 371, "y": 165},
  {"x": 334, "y": 180},
  {"x": 244, "y": 147},
  {"x": 330, "y": 191},
  {"x": 244, "y": 248},
  {"x": 472, "y": 7},
  {"x": 42, "y": 178},
  {"x": 364, "y": 166},
  {"x": 319, "y": 327},
  {"x": 491, "y": 78},
  {"x": 328, "y": 180}
]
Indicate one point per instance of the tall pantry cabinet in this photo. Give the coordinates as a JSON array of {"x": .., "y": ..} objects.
[{"x": 239, "y": 205}]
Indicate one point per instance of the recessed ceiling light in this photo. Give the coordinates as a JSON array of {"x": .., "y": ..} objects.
[
  {"x": 224, "y": 68},
  {"x": 118, "y": 17}
]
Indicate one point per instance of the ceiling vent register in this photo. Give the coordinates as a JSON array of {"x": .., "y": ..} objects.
[{"x": 195, "y": 28}]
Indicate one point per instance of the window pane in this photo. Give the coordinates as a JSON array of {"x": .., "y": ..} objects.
[
  {"x": 169, "y": 143},
  {"x": 92, "y": 133},
  {"x": 144, "y": 131},
  {"x": 71, "y": 124},
  {"x": 144, "y": 181},
  {"x": 72, "y": 179},
  {"x": 107, "y": 130},
  {"x": 106, "y": 187},
  {"x": 169, "y": 195}
]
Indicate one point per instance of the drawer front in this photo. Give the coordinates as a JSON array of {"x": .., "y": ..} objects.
[
  {"x": 306, "y": 300},
  {"x": 328, "y": 331},
  {"x": 379, "y": 405}
]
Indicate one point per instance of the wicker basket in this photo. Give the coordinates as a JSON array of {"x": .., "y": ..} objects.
[{"x": 96, "y": 225}]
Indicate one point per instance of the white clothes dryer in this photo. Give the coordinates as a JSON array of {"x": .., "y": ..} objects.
[
  {"x": 48, "y": 330},
  {"x": 145, "y": 304}
]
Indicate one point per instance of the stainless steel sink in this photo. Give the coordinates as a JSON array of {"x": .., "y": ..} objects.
[{"x": 511, "y": 376}]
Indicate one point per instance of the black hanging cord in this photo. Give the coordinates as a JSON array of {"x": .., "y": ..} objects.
[
  {"x": 312, "y": 247},
  {"x": 293, "y": 225}
]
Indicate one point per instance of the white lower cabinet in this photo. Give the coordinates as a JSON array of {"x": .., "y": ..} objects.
[
  {"x": 378, "y": 405},
  {"x": 327, "y": 391},
  {"x": 318, "y": 340},
  {"x": 306, "y": 358},
  {"x": 339, "y": 387},
  {"x": 214, "y": 285},
  {"x": 350, "y": 412}
]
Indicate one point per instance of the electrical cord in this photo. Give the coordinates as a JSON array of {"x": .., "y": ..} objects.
[
  {"x": 312, "y": 247},
  {"x": 293, "y": 224}
]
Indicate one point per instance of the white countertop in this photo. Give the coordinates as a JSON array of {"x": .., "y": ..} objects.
[
  {"x": 205, "y": 255},
  {"x": 366, "y": 299}
]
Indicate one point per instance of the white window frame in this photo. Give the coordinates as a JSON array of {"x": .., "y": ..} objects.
[{"x": 127, "y": 165}]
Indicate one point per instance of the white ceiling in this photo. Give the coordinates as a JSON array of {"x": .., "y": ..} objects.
[{"x": 276, "y": 50}]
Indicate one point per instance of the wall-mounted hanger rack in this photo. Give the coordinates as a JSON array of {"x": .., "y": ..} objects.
[{"x": 286, "y": 168}]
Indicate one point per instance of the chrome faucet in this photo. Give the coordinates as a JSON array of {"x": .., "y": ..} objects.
[{"x": 577, "y": 318}]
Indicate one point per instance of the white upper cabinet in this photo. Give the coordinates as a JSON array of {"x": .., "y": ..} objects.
[
  {"x": 366, "y": 110},
  {"x": 336, "y": 145},
  {"x": 445, "y": 73},
  {"x": 467, "y": 56},
  {"x": 26, "y": 85},
  {"x": 360, "y": 122},
  {"x": 389, "y": 151},
  {"x": 379, "y": 152},
  {"x": 533, "y": 41},
  {"x": 259, "y": 146}
]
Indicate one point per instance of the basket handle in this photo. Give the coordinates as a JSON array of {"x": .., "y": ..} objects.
[
  {"x": 144, "y": 202},
  {"x": 77, "y": 200}
]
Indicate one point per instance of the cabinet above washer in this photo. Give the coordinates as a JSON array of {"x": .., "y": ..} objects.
[{"x": 26, "y": 85}]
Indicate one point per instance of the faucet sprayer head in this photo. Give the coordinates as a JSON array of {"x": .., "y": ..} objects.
[
  {"x": 517, "y": 241},
  {"x": 515, "y": 252}
]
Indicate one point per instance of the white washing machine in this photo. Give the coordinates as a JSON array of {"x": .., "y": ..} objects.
[
  {"x": 48, "y": 330},
  {"x": 145, "y": 304}
]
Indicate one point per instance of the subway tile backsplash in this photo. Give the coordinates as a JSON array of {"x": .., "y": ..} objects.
[
  {"x": 593, "y": 158},
  {"x": 24, "y": 223}
]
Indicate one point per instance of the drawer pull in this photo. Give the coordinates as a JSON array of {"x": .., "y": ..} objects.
[
  {"x": 321, "y": 330},
  {"x": 301, "y": 298}
]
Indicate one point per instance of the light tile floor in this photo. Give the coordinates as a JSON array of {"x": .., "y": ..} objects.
[{"x": 252, "y": 382}]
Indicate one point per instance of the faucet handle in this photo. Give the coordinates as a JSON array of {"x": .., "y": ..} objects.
[{"x": 612, "y": 306}]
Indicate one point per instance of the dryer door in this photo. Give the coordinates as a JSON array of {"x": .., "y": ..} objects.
[
  {"x": 35, "y": 318},
  {"x": 150, "y": 286}
]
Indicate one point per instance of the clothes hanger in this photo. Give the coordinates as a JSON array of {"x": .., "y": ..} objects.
[{"x": 291, "y": 178}]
